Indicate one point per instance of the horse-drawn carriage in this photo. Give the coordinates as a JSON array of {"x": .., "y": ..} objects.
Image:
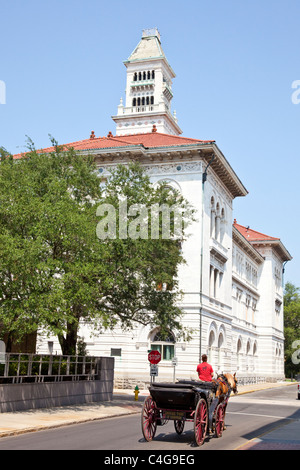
[{"x": 203, "y": 403}]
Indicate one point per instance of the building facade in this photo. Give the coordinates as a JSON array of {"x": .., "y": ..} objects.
[{"x": 232, "y": 279}]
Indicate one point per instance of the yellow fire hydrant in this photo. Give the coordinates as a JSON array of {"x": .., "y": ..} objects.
[{"x": 136, "y": 393}]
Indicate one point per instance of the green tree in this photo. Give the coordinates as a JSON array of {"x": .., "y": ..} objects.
[
  {"x": 55, "y": 272},
  {"x": 292, "y": 329},
  {"x": 46, "y": 220},
  {"x": 141, "y": 280}
]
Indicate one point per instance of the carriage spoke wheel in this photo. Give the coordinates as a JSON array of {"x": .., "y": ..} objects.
[
  {"x": 219, "y": 420},
  {"x": 149, "y": 423},
  {"x": 200, "y": 421},
  {"x": 179, "y": 425}
]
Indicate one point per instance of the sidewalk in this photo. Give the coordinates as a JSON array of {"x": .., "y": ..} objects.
[
  {"x": 123, "y": 403},
  {"x": 286, "y": 436}
]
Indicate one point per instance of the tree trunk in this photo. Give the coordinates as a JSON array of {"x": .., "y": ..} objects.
[
  {"x": 69, "y": 342},
  {"x": 9, "y": 343}
]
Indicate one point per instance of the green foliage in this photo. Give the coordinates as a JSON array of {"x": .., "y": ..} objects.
[{"x": 56, "y": 273}]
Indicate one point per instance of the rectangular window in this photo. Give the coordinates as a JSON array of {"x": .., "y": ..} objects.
[
  {"x": 116, "y": 352},
  {"x": 167, "y": 351}
]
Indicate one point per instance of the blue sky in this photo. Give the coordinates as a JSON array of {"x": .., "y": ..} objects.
[{"x": 235, "y": 61}]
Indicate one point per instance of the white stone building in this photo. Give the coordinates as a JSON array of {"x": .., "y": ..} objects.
[{"x": 232, "y": 282}]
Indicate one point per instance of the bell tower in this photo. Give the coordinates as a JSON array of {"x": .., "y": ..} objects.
[{"x": 148, "y": 90}]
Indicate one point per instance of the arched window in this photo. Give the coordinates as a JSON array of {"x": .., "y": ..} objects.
[
  {"x": 134, "y": 102},
  {"x": 143, "y": 101},
  {"x": 144, "y": 75},
  {"x": 165, "y": 344},
  {"x": 148, "y": 74},
  {"x": 212, "y": 217},
  {"x": 139, "y": 101},
  {"x": 153, "y": 73},
  {"x": 222, "y": 225},
  {"x": 152, "y": 100},
  {"x": 220, "y": 340},
  {"x": 239, "y": 352},
  {"x": 147, "y": 100},
  {"x": 140, "y": 75},
  {"x": 217, "y": 222},
  {"x": 248, "y": 356},
  {"x": 220, "y": 350},
  {"x": 135, "y": 77},
  {"x": 211, "y": 341}
]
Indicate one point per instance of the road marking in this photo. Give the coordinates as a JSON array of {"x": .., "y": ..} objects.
[
  {"x": 255, "y": 414},
  {"x": 266, "y": 401}
]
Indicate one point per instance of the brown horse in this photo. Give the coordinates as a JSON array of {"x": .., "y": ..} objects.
[
  {"x": 225, "y": 383},
  {"x": 232, "y": 381}
]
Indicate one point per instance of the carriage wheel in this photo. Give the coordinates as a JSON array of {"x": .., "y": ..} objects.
[
  {"x": 200, "y": 421},
  {"x": 179, "y": 425},
  {"x": 219, "y": 420},
  {"x": 149, "y": 423}
]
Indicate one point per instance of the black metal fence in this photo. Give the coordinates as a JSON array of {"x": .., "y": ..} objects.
[{"x": 26, "y": 368}]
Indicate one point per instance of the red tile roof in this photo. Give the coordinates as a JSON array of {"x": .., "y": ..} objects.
[
  {"x": 149, "y": 140},
  {"x": 252, "y": 235},
  {"x": 155, "y": 139}
]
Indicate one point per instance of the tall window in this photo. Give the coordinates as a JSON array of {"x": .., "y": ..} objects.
[
  {"x": 211, "y": 341},
  {"x": 222, "y": 225},
  {"x": 217, "y": 222},
  {"x": 212, "y": 217},
  {"x": 239, "y": 355},
  {"x": 165, "y": 345},
  {"x": 221, "y": 351}
]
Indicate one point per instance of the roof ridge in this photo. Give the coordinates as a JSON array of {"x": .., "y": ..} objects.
[
  {"x": 119, "y": 139},
  {"x": 169, "y": 135},
  {"x": 248, "y": 229}
]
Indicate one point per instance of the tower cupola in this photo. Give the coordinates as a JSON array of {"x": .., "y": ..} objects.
[{"x": 148, "y": 90}]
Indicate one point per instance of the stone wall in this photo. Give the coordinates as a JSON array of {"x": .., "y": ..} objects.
[{"x": 18, "y": 397}]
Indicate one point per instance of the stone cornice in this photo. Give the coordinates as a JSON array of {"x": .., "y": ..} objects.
[
  {"x": 276, "y": 245},
  {"x": 176, "y": 153}
]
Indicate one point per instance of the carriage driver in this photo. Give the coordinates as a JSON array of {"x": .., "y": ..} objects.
[{"x": 205, "y": 370}]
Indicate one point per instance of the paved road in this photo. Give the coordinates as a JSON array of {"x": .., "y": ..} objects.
[{"x": 248, "y": 417}]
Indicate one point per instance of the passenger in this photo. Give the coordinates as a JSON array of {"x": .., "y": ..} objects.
[{"x": 205, "y": 370}]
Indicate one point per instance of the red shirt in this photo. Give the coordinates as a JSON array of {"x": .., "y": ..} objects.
[{"x": 204, "y": 371}]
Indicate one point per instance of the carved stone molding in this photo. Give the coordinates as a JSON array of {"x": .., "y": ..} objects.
[{"x": 163, "y": 169}]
